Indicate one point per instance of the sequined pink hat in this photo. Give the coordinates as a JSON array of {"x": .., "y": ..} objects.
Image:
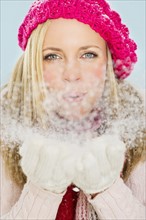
[{"x": 97, "y": 14}]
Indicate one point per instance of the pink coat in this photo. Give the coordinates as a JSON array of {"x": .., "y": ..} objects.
[{"x": 120, "y": 201}]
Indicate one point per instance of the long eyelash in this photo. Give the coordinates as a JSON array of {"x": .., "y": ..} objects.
[
  {"x": 92, "y": 53},
  {"x": 47, "y": 56}
]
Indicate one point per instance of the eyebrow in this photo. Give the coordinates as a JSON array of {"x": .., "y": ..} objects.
[{"x": 81, "y": 48}]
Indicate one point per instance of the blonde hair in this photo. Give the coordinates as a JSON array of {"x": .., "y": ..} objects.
[
  {"x": 26, "y": 82},
  {"x": 26, "y": 91},
  {"x": 136, "y": 151},
  {"x": 23, "y": 97}
]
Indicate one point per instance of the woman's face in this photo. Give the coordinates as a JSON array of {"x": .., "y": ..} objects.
[{"x": 74, "y": 67}]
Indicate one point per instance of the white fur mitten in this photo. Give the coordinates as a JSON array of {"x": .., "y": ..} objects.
[
  {"x": 100, "y": 164},
  {"x": 47, "y": 163}
]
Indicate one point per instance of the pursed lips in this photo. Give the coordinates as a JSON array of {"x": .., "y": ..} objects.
[{"x": 74, "y": 97}]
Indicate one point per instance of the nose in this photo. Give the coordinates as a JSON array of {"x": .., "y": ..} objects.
[{"x": 72, "y": 72}]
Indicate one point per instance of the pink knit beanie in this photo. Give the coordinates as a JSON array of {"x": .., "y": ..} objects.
[{"x": 97, "y": 14}]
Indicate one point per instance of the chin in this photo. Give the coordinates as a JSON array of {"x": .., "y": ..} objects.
[{"x": 74, "y": 115}]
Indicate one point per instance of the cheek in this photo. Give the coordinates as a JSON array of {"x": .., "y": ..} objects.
[
  {"x": 99, "y": 80},
  {"x": 48, "y": 73},
  {"x": 95, "y": 81},
  {"x": 95, "y": 75},
  {"x": 48, "y": 77},
  {"x": 99, "y": 71},
  {"x": 52, "y": 78}
]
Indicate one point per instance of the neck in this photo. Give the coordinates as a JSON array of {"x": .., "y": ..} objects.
[{"x": 90, "y": 123}]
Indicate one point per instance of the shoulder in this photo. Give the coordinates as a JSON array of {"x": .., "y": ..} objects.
[
  {"x": 9, "y": 191},
  {"x": 136, "y": 181}
]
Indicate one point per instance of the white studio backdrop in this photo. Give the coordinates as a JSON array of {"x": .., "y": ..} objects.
[{"x": 12, "y": 15}]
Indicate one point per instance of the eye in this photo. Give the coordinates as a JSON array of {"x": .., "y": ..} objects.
[
  {"x": 51, "y": 57},
  {"x": 89, "y": 55}
]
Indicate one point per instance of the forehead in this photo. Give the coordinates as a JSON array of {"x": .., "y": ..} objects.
[{"x": 71, "y": 32}]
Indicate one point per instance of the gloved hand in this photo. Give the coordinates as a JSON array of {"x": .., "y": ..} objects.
[
  {"x": 100, "y": 164},
  {"x": 48, "y": 163}
]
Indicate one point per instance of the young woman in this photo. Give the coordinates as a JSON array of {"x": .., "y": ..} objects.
[{"x": 72, "y": 143}]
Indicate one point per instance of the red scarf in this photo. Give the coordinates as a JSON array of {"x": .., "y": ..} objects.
[{"x": 67, "y": 208}]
